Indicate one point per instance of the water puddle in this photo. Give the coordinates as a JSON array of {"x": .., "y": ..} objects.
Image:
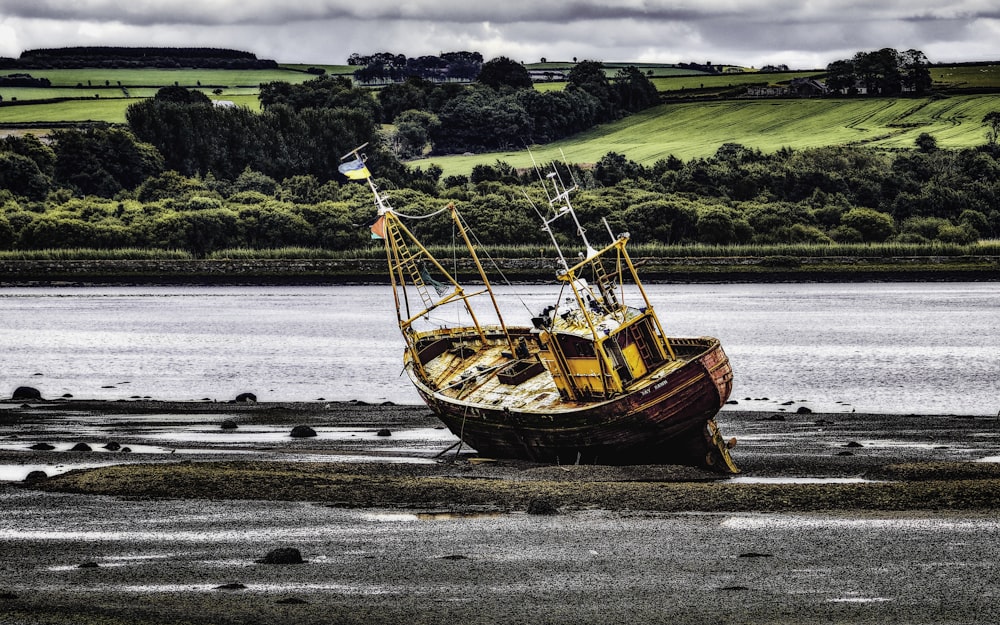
[
  {"x": 749, "y": 479},
  {"x": 349, "y": 589},
  {"x": 860, "y": 600},
  {"x": 95, "y": 447},
  {"x": 274, "y": 434},
  {"x": 407, "y": 517},
  {"x": 774, "y": 522},
  {"x": 17, "y": 472}
]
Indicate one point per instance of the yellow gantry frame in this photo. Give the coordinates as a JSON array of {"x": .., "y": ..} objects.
[
  {"x": 394, "y": 257},
  {"x": 606, "y": 367}
]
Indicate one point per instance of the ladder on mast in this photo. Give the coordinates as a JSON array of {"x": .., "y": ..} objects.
[{"x": 406, "y": 263}]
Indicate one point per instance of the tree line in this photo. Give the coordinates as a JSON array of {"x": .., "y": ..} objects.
[
  {"x": 127, "y": 57},
  {"x": 386, "y": 67},
  {"x": 739, "y": 195},
  {"x": 885, "y": 72}
]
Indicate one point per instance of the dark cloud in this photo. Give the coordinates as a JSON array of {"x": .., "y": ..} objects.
[{"x": 749, "y": 32}]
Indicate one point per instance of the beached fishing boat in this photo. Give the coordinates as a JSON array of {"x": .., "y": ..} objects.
[{"x": 593, "y": 379}]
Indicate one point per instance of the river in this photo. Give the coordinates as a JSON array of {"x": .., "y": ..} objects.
[{"x": 898, "y": 348}]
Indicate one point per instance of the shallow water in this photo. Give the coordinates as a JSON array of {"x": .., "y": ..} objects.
[{"x": 893, "y": 348}]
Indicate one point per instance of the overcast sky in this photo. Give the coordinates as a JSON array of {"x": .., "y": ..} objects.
[{"x": 802, "y": 34}]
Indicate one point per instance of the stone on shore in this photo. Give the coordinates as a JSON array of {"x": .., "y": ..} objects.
[
  {"x": 36, "y": 476},
  {"x": 24, "y": 393},
  {"x": 282, "y": 555},
  {"x": 302, "y": 431}
]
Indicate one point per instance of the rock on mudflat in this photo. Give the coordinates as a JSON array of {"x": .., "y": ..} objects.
[
  {"x": 383, "y": 432},
  {"x": 282, "y": 555},
  {"x": 23, "y": 393},
  {"x": 302, "y": 431},
  {"x": 35, "y": 476},
  {"x": 228, "y": 424}
]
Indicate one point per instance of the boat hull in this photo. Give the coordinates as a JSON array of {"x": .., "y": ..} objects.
[{"x": 670, "y": 421}]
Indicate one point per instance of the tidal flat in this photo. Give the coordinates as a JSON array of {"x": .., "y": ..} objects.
[{"x": 836, "y": 517}]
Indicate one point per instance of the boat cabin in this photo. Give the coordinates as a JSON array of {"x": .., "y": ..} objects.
[{"x": 596, "y": 349}]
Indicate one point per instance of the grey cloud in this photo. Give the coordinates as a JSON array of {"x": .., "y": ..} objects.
[{"x": 751, "y": 32}]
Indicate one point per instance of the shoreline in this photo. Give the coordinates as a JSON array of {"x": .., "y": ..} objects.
[{"x": 330, "y": 272}]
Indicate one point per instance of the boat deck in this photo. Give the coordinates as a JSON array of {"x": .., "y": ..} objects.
[{"x": 473, "y": 378}]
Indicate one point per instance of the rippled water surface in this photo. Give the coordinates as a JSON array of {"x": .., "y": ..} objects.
[{"x": 896, "y": 348}]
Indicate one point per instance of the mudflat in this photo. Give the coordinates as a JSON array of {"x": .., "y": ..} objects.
[{"x": 836, "y": 518}]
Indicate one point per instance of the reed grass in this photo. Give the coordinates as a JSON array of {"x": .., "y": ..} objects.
[
  {"x": 94, "y": 254},
  {"x": 649, "y": 250},
  {"x": 642, "y": 250}
]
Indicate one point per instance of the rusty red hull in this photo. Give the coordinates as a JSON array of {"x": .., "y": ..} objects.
[{"x": 662, "y": 423}]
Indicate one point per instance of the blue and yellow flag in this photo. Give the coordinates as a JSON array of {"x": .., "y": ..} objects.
[{"x": 355, "y": 170}]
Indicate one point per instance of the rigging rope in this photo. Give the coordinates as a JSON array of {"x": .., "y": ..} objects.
[
  {"x": 483, "y": 250},
  {"x": 427, "y": 216}
]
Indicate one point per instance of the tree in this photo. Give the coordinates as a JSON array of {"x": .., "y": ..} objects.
[
  {"x": 413, "y": 132},
  {"x": 589, "y": 76},
  {"x": 721, "y": 225},
  {"x": 503, "y": 72},
  {"x": 103, "y": 161},
  {"x": 325, "y": 91},
  {"x": 874, "y": 227},
  {"x": 926, "y": 142},
  {"x": 31, "y": 146},
  {"x": 22, "y": 177},
  {"x": 181, "y": 95},
  {"x": 879, "y": 71},
  {"x": 272, "y": 225},
  {"x": 411, "y": 94},
  {"x": 250, "y": 180},
  {"x": 612, "y": 168},
  {"x": 199, "y": 232},
  {"x": 915, "y": 71},
  {"x": 481, "y": 119},
  {"x": 664, "y": 221},
  {"x": 992, "y": 122},
  {"x": 634, "y": 90},
  {"x": 840, "y": 76}
]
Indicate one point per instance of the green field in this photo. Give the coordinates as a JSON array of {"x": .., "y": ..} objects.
[
  {"x": 684, "y": 130},
  {"x": 698, "y": 129},
  {"x": 105, "y": 109},
  {"x": 90, "y": 87}
]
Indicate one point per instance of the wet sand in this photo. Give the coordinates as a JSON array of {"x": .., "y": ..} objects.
[{"x": 836, "y": 518}]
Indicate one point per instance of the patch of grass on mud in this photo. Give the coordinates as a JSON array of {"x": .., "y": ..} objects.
[{"x": 959, "y": 486}]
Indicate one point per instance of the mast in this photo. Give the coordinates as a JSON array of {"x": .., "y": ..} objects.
[{"x": 406, "y": 255}]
